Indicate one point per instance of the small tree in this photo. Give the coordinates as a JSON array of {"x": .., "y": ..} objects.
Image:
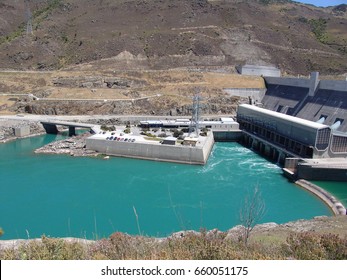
[
  {"x": 177, "y": 133},
  {"x": 251, "y": 212}
]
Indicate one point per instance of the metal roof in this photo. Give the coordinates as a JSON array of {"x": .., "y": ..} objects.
[
  {"x": 170, "y": 138},
  {"x": 227, "y": 119},
  {"x": 292, "y": 119}
]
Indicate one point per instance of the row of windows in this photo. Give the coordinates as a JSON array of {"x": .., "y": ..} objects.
[{"x": 280, "y": 140}]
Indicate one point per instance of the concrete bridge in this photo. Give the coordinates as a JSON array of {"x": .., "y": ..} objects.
[{"x": 51, "y": 126}]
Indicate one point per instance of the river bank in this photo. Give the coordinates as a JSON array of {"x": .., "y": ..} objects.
[
  {"x": 8, "y": 124},
  {"x": 7, "y": 129},
  {"x": 73, "y": 146},
  {"x": 267, "y": 241}
]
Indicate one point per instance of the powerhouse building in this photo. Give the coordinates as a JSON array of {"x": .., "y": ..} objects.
[{"x": 295, "y": 136}]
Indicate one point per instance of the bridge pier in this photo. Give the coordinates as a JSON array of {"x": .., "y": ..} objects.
[
  {"x": 72, "y": 131},
  {"x": 50, "y": 128}
]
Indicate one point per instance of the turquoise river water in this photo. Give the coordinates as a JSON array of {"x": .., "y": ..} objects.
[{"x": 61, "y": 196}]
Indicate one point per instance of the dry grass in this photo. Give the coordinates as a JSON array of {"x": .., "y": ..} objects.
[
  {"x": 176, "y": 87},
  {"x": 85, "y": 93},
  {"x": 191, "y": 246},
  {"x": 319, "y": 238}
]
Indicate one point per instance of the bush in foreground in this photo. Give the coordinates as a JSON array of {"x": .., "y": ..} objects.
[{"x": 189, "y": 245}]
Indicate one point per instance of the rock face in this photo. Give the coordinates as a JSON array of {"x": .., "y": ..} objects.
[
  {"x": 97, "y": 82},
  {"x": 223, "y": 105}
]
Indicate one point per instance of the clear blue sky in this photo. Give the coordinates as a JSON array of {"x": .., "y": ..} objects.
[{"x": 323, "y": 3}]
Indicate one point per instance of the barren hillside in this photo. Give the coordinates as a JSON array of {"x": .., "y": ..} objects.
[
  {"x": 162, "y": 92},
  {"x": 164, "y": 34}
]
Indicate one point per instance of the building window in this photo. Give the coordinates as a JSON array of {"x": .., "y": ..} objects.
[
  {"x": 339, "y": 120},
  {"x": 322, "y": 140},
  {"x": 323, "y": 116},
  {"x": 339, "y": 144}
]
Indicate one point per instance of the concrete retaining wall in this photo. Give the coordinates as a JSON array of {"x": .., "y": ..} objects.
[
  {"x": 333, "y": 85},
  {"x": 308, "y": 172},
  {"x": 155, "y": 151},
  {"x": 313, "y": 83},
  {"x": 227, "y": 135},
  {"x": 256, "y": 94},
  {"x": 257, "y": 70},
  {"x": 293, "y": 82}
]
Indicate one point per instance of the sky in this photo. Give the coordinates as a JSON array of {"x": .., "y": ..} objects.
[{"x": 323, "y": 3}]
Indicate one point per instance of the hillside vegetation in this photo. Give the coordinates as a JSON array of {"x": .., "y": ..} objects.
[
  {"x": 163, "y": 34},
  {"x": 320, "y": 238}
]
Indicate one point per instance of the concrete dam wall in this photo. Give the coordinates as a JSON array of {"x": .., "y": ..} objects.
[{"x": 323, "y": 101}]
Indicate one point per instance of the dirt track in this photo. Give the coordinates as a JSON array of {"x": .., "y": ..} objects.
[{"x": 126, "y": 92}]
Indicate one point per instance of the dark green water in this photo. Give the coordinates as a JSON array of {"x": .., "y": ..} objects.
[{"x": 90, "y": 197}]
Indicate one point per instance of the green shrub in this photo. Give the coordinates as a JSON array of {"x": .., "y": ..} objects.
[
  {"x": 162, "y": 135},
  {"x": 108, "y": 128},
  {"x": 177, "y": 133},
  {"x": 318, "y": 27}
]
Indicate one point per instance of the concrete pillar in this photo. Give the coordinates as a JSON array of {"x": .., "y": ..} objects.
[
  {"x": 254, "y": 144},
  {"x": 279, "y": 157},
  {"x": 275, "y": 154},
  {"x": 72, "y": 131},
  {"x": 262, "y": 148},
  {"x": 314, "y": 81},
  {"x": 50, "y": 128},
  {"x": 267, "y": 150},
  {"x": 22, "y": 131},
  {"x": 249, "y": 141}
]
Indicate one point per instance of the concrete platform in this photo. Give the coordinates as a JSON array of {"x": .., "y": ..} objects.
[
  {"x": 135, "y": 146},
  {"x": 333, "y": 169}
]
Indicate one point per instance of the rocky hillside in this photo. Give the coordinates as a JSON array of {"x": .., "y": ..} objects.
[
  {"x": 161, "y": 92},
  {"x": 163, "y": 34}
]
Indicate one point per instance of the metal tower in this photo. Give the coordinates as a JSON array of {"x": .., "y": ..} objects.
[
  {"x": 28, "y": 16},
  {"x": 194, "y": 123}
]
